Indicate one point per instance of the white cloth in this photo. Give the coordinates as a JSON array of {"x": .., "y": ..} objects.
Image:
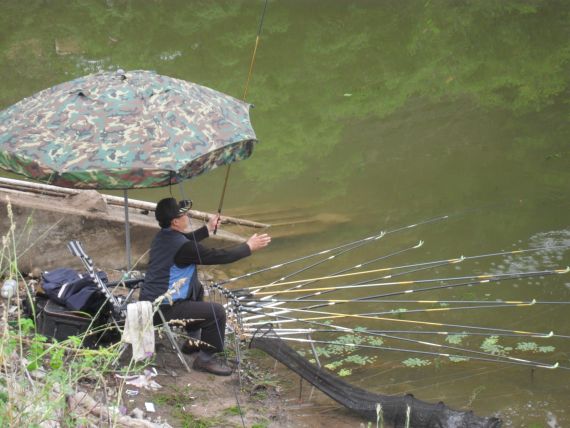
[{"x": 139, "y": 329}]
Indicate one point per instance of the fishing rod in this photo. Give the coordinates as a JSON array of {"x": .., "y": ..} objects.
[
  {"x": 285, "y": 319},
  {"x": 360, "y": 265},
  {"x": 249, "y": 74},
  {"x": 413, "y": 311},
  {"x": 395, "y": 275},
  {"x": 322, "y": 252},
  {"x": 432, "y": 344},
  {"x": 331, "y": 302},
  {"x": 320, "y": 262},
  {"x": 512, "y": 360},
  {"x": 384, "y": 334},
  {"x": 451, "y": 261},
  {"x": 305, "y": 331},
  {"x": 384, "y": 257},
  {"x": 284, "y": 310},
  {"x": 485, "y": 330},
  {"x": 480, "y": 278},
  {"x": 371, "y": 298},
  {"x": 469, "y": 283}
]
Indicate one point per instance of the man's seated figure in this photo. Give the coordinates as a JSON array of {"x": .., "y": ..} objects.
[{"x": 175, "y": 253}]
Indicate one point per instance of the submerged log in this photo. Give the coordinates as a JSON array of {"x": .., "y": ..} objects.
[{"x": 365, "y": 403}]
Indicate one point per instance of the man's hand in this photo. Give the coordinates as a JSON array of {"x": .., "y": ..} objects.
[
  {"x": 213, "y": 223},
  {"x": 257, "y": 242}
]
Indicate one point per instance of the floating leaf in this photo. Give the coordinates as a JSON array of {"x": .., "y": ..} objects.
[
  {"x": 358, "y": 359},
  {"x": 334, "y": 365},
  {"x": 491, "y": 345},
  {"x": 322, "y": 351},
  {"x": 545, "y": 349},
  {"x": 458, "y": 359},
  {"x": 376, "y": 341},
  {"x": 344, "y": 372},
  {"x": 455, "y": 339},
  {"x": 527, "y": 346},
  {"x": 416, "y": 362}
]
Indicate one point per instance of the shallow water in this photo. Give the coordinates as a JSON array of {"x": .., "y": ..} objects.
[{"x": 370, "y": 116}]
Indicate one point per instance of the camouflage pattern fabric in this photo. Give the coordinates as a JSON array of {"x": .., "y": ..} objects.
[{"x": 123, "y": 130}]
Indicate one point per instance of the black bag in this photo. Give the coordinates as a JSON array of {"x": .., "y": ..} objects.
[
  {"x": 74, "y": 290},
  {"x": 57, "y": 321}
]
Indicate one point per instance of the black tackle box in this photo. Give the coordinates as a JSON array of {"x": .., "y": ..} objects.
[{"x": 58, "y": 322}]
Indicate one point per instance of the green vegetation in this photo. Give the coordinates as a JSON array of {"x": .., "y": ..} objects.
[
  {"x": 416, "y": 362},
  {"x": 38, "y": 377},
  {"x": 455, "y": 339},
  {"x": 342, "y": 352},
  {"x": 491, "y": 345}
]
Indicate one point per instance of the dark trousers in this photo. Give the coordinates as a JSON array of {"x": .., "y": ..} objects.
[{"x": 210, "y": 317}]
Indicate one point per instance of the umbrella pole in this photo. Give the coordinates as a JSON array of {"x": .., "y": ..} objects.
[{"x": 127, "y": 231}]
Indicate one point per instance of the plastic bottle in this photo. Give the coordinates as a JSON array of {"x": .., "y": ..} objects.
[{"x": 9, "y": 288}]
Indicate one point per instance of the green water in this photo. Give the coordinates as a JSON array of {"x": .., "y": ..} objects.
[{"x": 371, "y": 115}]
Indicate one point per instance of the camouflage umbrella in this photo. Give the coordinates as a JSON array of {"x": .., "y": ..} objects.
[{"x": 123, "y": 130}]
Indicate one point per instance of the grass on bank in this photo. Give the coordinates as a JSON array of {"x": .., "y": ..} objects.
[{"x": 38, "y": 377}]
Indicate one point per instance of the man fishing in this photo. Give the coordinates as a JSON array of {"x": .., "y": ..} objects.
[{"x": 174, "y": 254}]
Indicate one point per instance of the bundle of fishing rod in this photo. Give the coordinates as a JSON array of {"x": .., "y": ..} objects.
[{"x": 327, "y": 325}]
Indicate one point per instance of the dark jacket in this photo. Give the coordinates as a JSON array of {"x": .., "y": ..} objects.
[{"x": 174, "y": 256}]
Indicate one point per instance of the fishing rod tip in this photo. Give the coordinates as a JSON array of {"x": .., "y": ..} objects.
[
  {"x": 544, "y": 336},
  {"x": 380, "y": 235}
]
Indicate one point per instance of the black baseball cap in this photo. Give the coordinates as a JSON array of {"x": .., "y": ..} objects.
[{"x": 168, "y": 209}]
